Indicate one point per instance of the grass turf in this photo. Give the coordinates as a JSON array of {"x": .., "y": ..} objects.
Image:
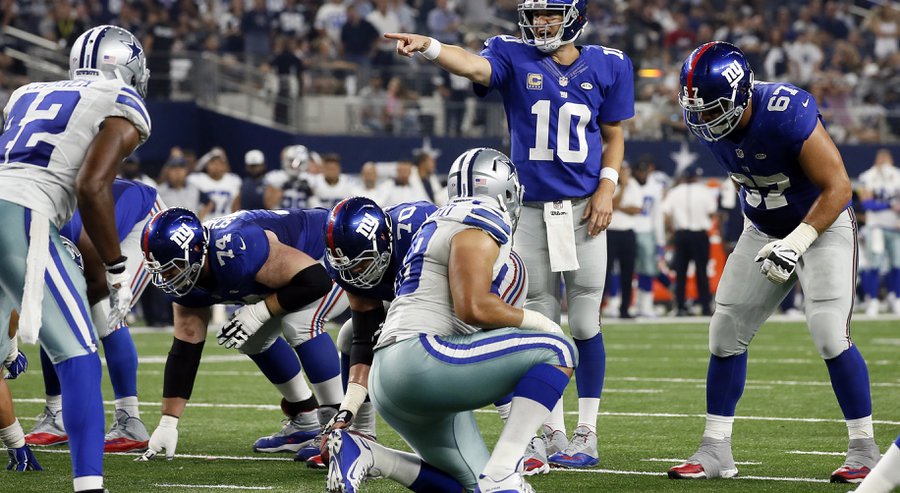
[{"x": 653, "y": 408}]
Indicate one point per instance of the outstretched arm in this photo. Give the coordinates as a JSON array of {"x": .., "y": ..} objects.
[{"x": 451, "y": 58}]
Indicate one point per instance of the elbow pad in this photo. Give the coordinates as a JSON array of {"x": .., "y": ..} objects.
[
  {"x": 307, "y": 286},
  {"x": 365, "y": 326}
]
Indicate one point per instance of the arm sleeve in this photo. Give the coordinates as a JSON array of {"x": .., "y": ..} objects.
[
  {"x": 801, "y": 120},
  {"x": 619, "y": 102},
  {"x": 249, "y": 250},
  {"x": 129, "y": 105},
  {"x": 497, "y": 52}
]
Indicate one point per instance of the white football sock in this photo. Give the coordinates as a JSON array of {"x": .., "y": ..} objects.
[
  {"x": 556, "y": 419},
  {"x": 860, "y": 428},
  {"x": 364, "y": 421},
  {"x": 402, "y": 467},
  {"x": 525, "y": 416},
  {"x": 330, "y": 392},
  {"x": 129, "y": 405},
  {"x": 503, "y": 411},
  {"x": 588, "y": 408},
  {"x": 12, "y": 436},
  {"x": 885, "y": 476},
  {"x": 295, "y": 389},
  {"x": 718, "y": 427},
  {"x": 54, "y": 403}
]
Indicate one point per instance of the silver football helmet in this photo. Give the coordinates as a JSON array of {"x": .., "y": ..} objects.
[
  {"x": 487, "y": 173},
  {"x": 110, "y": 52},
  {"x": 295, "y": 159}
]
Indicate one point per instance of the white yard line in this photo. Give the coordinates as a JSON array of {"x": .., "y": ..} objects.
[
  {"x": 256, "y": 458},
  {"x": 649, "y": 473},
  {"x": 749, "y": 382},
  {"x": 213, "y": 486},
  {"x": 659, "y": 459},
  {"x": 815, "y": 452}
]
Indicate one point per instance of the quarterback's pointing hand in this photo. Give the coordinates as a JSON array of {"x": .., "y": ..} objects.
[{"x": 409, "y": 44}]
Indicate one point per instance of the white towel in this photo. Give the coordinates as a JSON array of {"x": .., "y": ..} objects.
[
  {"x": 561, "y": 235},
  {"x": 35, "y": 267}
]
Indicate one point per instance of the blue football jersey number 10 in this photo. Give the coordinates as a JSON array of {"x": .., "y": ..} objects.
[
  {"x": 21, "y": 141},
  {"x": 541, "y": 150}
]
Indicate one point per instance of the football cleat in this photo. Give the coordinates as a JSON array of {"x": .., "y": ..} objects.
[
  {"x": 514, "y": 483},
  {"x": 49, "y": 430},
  {"x": 712, "y": 460},
  {"x": 349, "y": 460},
  {"x": 535, "y": 459},
  {"x": 554, "y": 440},
  {"x": 862, "y": 455},
  {"x": 312, "y": 449},
  {"x": 298, "y": 432},
  {"x": 315, "y": 462},
  {"x": 580, "y": 452},
  {"x": 22, "y": 459},
  {"x": 128, "y": 434}
]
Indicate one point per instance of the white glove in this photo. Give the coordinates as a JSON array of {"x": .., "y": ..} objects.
[
  {"x": 120, "y": 294},
  {"x": 532, "y": 320},
  {"x": 165, "y": 437},
  {"x": 779, "y": 258},
  {"x": 245, "y": 322}
]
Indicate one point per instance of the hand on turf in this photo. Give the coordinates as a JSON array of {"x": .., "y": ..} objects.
[
  {"x": 778, "y": 261},
  {"x": 120, "y": 297},
  {"x": 164, "y": 437}
]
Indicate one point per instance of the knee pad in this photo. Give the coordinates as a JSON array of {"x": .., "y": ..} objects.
[
  {"x": 584, "y": 312},
  {"x": 345, "y": 337},
  {"x": 829, "y": 332},
  {"x": 724, "y": 339}
]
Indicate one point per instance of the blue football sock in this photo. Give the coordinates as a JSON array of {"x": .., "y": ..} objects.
[
  {"x": 543, "y": 384},
  {"x": 121, "y": 362},
  {"x": 278, "y": 363},
  {"x": 645, "y": 282},
  {"x": 725, "y": 383},
  {"x": 345, "y": 370},
  {"x": 612, "y": 287},
  {"x": 869, "y": 281},
  {"x": 591, "y": 368},
  {"x": 319, "y": 358},
  {"x": 51, "y": 381},
  {"x": 897, "y": 441},
  {"x": 850, "y": 381},
  {"x": 506, "y": 399},
  {"x": 83, "y": 413},
  {"x": 432, "y": 479},
  {"x": 893, "y": 280}
]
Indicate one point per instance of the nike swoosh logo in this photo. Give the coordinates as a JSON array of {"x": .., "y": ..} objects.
[
  {"x": 806, "y": 102},
  {"x": 243, "y": 246}
]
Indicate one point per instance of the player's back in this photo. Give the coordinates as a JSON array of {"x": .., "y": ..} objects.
[
  {"x": 48, "y": 129},
  {"x": 424, "y": 303},
  {"x": 133, "y": 202}
]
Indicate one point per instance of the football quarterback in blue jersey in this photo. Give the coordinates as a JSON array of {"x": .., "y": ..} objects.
[
  {"x": 135, "y": 203},
  {"x": 564, "y": 107},
  {"x": 265, "y": 261},
  {"x": 794, "y": 189}
]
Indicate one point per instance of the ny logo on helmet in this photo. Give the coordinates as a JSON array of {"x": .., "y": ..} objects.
[
  {"x": 367, "y": 226},
  {"x": 733, "y": 73},
  {"x": 183, "y": 236}
]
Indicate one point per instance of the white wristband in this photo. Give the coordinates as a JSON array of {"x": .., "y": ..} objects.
[
  {"x": 355, "y": 396},
  {"x": 609, "y": 174},
  {"x": 258, "y": 312},
  {"x": 166, "y": 421},
  {"x": 433, "y": 50},
  {"x": 801, "y": 238},
  {"x": 13, "y": 351},
  {"x": 532, "y": 320}
]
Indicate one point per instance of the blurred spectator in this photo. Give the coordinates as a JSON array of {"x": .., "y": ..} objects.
[
  {"x": 423, "y": 175},
  {"x": 649, "y": 233},
  {"x": 401, "y": 189},
  {"x": 806, "y": 55},
  {"x": 368, "y": 185},
  {"x": 288, "y": 68},
  {"x": 290, "y": 187},
  {"x": 219, "y": 187},
  {"x": 230, "y": 28},
  {"x": 385, "y": 20},
  {"x": 776, "y": 63},
  {"x": 158, "y": 43},
  {"x": 444, "y": 23},
  {"x": 255, "y": 26},
  {"x": 332, "y": 185},
  {"x": 688, "y": 208},
  {"x": 401, "y": 109},
  {"x": 622, "y": 244},
  {"x": 358, "y": 40},
  {"x": 64, "y": 24},
  {"x": 406, "y": 15},
  {"x": 253, "y": 185},
  {"x": 175, "y": 191},
  {"x": 291, "y": 20},
  {"x": 330, "y": 18},
  {"x": 130, "y": 169},
  {"x": 884, "y": 23},
  {"x": 373, "y": 105}
]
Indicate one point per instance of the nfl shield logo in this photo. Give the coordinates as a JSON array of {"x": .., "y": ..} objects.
[
  {"x": 740, "y": 153},
  {"x": 557, "y": 205},
  {"x": 563, "y": 81}
]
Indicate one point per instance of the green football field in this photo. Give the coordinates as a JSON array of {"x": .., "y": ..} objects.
[{"x": 788, "y": 437}]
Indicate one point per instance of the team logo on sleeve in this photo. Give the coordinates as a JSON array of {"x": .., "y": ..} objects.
[
  {"x": 182, "y": 236},
  {"x": 534, "y": 82}
]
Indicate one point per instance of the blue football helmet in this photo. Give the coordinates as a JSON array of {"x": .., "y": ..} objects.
[
  {"x": 716, "y": 86},
  {"x": 574, "y": 18},
  {"x": 358, "y": 241},
  {"x": 174, "y": 244}
]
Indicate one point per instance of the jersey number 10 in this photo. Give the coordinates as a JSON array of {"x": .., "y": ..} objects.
[{"x": 542, "y": 151}]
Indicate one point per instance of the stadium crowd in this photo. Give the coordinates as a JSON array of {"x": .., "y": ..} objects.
[{"x": 846, "y": 53}]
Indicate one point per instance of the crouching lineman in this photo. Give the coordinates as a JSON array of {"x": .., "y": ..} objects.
[
  {"x": 135, "y": 204},
  {"x": 365, "y": 247},
  {"x": 437, "y": 339},
  {"x": 266, "y": 261},
  {"x": 11, "y": 434}
]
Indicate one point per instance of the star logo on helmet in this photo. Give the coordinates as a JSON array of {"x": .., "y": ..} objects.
[{"x": 136, "y": 50}]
